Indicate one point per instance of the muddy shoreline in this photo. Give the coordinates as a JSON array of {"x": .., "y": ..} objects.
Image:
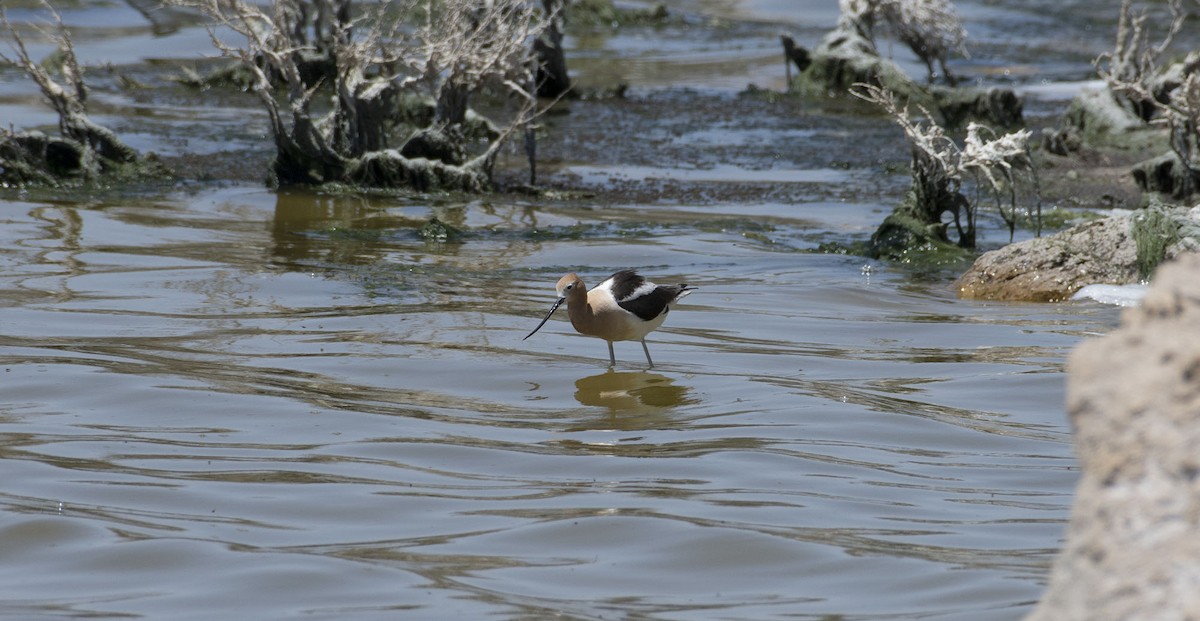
[
  {"x": 671, "y": 144},
  {"x": 658, "y": 147}
]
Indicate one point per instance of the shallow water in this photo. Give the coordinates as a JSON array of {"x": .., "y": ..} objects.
[
  {"x": 212, "y": 405},
  {"x": 223, "y": 401}
]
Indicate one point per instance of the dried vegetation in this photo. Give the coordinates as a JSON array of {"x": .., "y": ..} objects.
[
  {"x": 1165, "y": 95},
  {"x": 83, "y": 150},
  {"x": 932, "y": 29},
  {"x": 1000, "y": 165},
  {"x": 338, "y": 126}
]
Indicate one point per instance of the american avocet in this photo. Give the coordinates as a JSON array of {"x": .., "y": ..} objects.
[{"x": 623, "y": 308}]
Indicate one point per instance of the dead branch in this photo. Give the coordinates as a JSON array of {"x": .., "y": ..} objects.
[
  {"x": 457, "y": 49},
  {"x": 932, "y": 29},
  {"x": 99, "y": 146},
  {"x": 939, "y": 165},
  {"x": 1167, "y": 96},
  {"x": 1130, "y": 69}
]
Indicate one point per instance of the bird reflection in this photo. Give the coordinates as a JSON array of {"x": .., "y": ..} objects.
[{"x": 631, "y": 391}]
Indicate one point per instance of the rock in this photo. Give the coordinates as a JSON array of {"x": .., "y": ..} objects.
[
  {"x": 1099, "y": 120},
  {"x": 1133, "y": 541},
  {"x": 434, "y": 230},
  {"x": 35, "y": 158},
  {"x": 1097, "y": 112},
  {"x": 1049, "y": 269},
  {"x": 444, "y": 144},
  {"x": 1121, "y": 249},
  {"x": 1062, "y": 141},
  {"x": 995, "y": 107},
  {"x": 914, "y": 231},
  {"x": 1188, "y": 235},
  {"x": 1166, "y": 174},
  {"x": 844, "y": 58}
]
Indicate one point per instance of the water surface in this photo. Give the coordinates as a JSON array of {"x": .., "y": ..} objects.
[{"x": 220, "y": 400}]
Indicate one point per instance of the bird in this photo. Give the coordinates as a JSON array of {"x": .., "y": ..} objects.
[{"x": 626, "y": 307}]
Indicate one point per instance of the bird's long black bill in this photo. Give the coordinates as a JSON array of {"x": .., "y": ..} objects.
[{"x": 547, "y": 317}]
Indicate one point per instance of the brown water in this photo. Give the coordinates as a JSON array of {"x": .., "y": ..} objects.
[{"x": 219, "y": 401}]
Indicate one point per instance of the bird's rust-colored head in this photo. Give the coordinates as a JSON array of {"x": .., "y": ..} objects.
[{"x": 569, "y": 286}]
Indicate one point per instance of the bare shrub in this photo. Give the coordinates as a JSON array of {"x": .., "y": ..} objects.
[
  {"x": 1130, "y": 70},
  {"x": 939, "y": 167},
  {"x": 453, "y": 51},
  {"x": 932, "y": 29},
  {"x": 1167, "y": 96},
  {"x": 997, "y": 160},
  {"x": 85, "y": 149}
]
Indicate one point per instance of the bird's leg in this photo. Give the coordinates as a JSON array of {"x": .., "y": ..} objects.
[
  {"x": 647, "y": 350},
  {"x": 612, "y": 358}
]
